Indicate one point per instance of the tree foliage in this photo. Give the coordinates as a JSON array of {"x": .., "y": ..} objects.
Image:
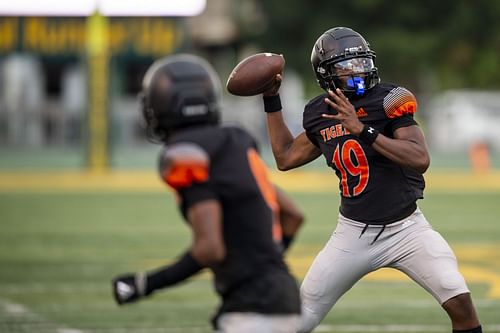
[{"x": 426, "y": 45}]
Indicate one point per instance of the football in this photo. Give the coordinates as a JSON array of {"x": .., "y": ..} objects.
[{"x": 255, "y": 74}]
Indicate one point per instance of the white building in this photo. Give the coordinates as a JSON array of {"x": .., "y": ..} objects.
[{"x": 458, "y": 119}]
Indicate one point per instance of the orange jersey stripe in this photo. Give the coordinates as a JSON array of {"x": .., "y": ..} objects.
[{"x": 267, "y": 189}]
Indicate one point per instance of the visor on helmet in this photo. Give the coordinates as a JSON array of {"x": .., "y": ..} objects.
[
  {"x": 352, "y": 76},
  {"x": 353, "y": 66}
]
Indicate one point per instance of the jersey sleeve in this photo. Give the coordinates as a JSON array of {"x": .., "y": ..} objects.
[
  {"x": 185, "y": 167},
  {"x": 400, "y": 105},
  {"x": 312, "y": 138},
  {"x": 311, "y": 116},
  {"x": 399, "y": 102},
  {"x": 254, "y": 144}
]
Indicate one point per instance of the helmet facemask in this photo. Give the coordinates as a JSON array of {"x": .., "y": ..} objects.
[
  {"x": 353, "y": 76},
  {"x": 342, "y": 58}
]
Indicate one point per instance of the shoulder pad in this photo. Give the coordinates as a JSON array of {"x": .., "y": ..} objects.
[
  {"x": 183, "y": 164},
  {"x": 399, "y": 102}
]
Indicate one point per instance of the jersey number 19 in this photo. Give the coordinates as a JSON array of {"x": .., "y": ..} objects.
[{"x": 350, "y": 159}]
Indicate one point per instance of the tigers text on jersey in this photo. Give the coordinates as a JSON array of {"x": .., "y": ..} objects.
[
  {"x": 373, "y": 189},
  {"x": 210, "y": 162}
]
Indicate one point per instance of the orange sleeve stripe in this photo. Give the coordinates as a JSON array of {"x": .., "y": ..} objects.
[
  {"x": 399, "y": 102},
  {"x": 407, "y": 108},
  {"x": 184, "y": 175}
]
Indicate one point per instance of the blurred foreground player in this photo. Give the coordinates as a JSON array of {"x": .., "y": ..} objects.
[
  {"x": 366, "y": 132},
  {"x": 226, "y": 199}
]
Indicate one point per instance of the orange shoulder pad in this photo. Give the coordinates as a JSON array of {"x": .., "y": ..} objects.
[
  {"x": 183, "y": 164},
  {"x": 399, "y": 102}
]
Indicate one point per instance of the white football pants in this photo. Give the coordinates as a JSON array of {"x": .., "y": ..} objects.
[{"x": 409, "y": 245}]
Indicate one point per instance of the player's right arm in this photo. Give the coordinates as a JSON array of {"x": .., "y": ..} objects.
[{"x": 289, "y": 152}]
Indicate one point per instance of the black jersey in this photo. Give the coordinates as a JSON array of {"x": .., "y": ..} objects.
[
  {"x": 222, "y": 163},
  {"x": 373, "y": 189}
]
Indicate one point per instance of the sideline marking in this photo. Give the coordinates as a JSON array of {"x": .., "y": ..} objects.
[{"x": 148, "y": 181}]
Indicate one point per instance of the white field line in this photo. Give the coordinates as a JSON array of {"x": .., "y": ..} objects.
[
  {"x": 395, "y": 328},
  {"x": 491, "y": 328},
  {"x": 183, "y": 329},
  {"x": 15, "y": 309},
  {"x": 40, "y": 288},
  {"x": 20, "y": 312}
]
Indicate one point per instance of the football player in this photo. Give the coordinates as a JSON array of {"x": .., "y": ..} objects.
[
  {"x": 226, "y": 199},
  {"x": 367, "y": 132}
]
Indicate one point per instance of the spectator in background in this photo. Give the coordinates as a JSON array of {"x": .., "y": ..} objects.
[
  {"x": 74, "y": 99},
  {"x": 23, "y": 94}
]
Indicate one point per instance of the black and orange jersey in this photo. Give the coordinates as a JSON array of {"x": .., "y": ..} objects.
[
  {"x": 222, "y": 163},
  {"x": 373, "y": 189}
]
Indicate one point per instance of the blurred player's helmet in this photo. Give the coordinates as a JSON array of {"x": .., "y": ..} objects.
[
  {"x": 179, "y": 91},
  {"x": 342, "y": 58}
]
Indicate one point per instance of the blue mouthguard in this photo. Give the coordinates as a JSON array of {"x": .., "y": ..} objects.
[{"x": 358, "y": 84}]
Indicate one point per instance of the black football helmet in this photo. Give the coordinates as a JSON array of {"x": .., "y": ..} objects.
[
  {"x": 342, "y": 58},
  {"x": 179, "y": 91}
]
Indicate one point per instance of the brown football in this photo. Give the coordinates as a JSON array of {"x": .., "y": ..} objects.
[{"x": 253, "y": 75}]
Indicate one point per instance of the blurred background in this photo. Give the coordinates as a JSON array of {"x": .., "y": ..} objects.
[
  {"x": 80, "y": 198},
  {"x": 69, "y": 85}
]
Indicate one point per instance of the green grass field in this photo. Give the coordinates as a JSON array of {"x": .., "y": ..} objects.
[{"x": 59, "y": 251}]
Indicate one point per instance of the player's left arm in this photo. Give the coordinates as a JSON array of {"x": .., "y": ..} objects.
[
  {"x": 208, "y": 246},
  {"x": 206, "y": 250},
  {"x": 184, "y": 168},
  {"x": 408, "y": 147}
]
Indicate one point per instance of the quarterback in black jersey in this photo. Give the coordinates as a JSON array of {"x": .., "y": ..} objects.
[
  {"x": 241, "y": 223},
  {"x": 367, "y": 133}
]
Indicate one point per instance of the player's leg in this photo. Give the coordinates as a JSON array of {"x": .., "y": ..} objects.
[
  {"x": 426, "y": 257},
  {"x": 338, "y": 266},
  {"x": 462, "y": 314}
]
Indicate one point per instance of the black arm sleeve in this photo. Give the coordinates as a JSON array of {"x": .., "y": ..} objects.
[{"x": 185, "y": 267}]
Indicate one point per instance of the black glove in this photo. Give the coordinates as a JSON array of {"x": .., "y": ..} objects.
[{"x": 129, "y": 288}]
